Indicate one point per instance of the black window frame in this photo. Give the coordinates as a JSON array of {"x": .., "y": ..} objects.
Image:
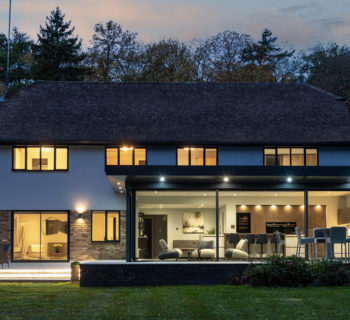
[
  {"x": 204, "y": 157},
  {"x": 133, "y": 157},
  {"x": 105, "y": 212},
  {"x": 290, "y": 155},
  {"x": 40, "y": 147}
]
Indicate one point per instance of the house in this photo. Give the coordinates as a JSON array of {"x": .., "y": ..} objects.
[{"x": 94, "y": 171}]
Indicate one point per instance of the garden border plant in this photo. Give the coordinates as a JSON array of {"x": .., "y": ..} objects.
[{"x": 294, "y": 272}]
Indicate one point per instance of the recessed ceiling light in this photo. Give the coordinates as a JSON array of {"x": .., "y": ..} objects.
[
  {"x": 273, "y": 206},
  {"x": 289, "y": 179},
  {"x": 162, "y": 179},
  {"x": 275, "y": 194},
  {"x": 226, "y": 179},
  {"x": 118, "y": 183},
  {"x": 235, "y": 194},
  {"x": 204, "y": 194},
  {"x": 155, "y": 191}
]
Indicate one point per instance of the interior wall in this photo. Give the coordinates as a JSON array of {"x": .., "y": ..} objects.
[{"x": 174, "y": 223}]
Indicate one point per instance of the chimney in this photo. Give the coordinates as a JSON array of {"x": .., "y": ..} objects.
[{"x": 2, "y": 83}]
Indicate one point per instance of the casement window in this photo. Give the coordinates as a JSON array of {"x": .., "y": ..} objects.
[
  {"x": 126, "y": 156},
  {"x": 40, "y": 158},
  {"x": 105, "y": 226},
  {"x": 197, "y": 156},
  {"x": 290, "y": 156}
]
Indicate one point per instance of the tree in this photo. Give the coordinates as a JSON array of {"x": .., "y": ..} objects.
[
  {"x": 57, "y": 54},
  {"x": 20, "y": 73},
  {"x": 167, "y": 61},
  {"x": 326, "y": 67},
  {"x": 114, "y": 53},
  {"x": 219, "y": 58},
  {"x": 269, "y": 58}
]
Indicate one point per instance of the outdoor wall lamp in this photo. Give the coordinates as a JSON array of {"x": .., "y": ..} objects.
[{"x": 80, "y": 211}]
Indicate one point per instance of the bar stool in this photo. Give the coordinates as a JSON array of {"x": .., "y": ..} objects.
[
  {"x": 251, "y": 240},
  {"x": 276, "y": 239},
  {"x": 262, "y": 239},
  {"x": 234, "y": 239}
]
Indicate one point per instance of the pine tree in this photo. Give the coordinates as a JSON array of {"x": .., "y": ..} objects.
[{"x": 58, "y": 53}]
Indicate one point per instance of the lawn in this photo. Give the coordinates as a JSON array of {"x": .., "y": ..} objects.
[{"x": 67, "y": 301}]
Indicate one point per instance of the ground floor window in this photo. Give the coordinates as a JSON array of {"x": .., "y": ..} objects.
[
  {"x": 40, "y": 235},
  {"x": 105, "y": 226},
  {"x": 196, "y": 220}
]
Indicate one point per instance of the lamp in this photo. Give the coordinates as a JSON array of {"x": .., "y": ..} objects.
[{"x": 80, "y": 211}]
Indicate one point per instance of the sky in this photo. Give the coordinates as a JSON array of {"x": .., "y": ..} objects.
[{"x": 300, "y": 23}]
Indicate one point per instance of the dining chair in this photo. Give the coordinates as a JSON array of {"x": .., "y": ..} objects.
[
  {"x": 338, "y": 235},
  {"x": 302, "y": 241},
  {"x": 319, "y": 237}
]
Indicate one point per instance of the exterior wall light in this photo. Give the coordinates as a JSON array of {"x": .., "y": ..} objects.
[
  {"x": 289, "y": 179},
  {"x": 226, "y": 179},
  {"x": 162, "y": 179},
  {"x": 80, "y": 211}
]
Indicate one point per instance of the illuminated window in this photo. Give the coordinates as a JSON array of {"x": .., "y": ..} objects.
[
  {"x": 105, "y": 226},
  {"x": 111, "y": 156},
  {"x": 126, "y": 156},
  {"x": 40, "y": 158},
  {"x": 290, "y": 156},
  {"x": 19, "y": 158},
  {"x": 297, "y": 156},
  {"x": 183, "y": 157},
  {"x": 210, "y": 157},
  {"x": 283, "y": 156},
  {"x": 140, "y": 156},
  {"x": 196, "y": 156},
  {"x": 311, "y": 157},
  {"x": 270, "y": 156}
]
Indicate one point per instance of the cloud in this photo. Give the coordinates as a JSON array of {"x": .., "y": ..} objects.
[{"x": 302, "y": 24}]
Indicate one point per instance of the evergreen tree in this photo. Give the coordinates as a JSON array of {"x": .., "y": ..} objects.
[
  {"x": 268, "y": 56},
  {"x": 58, "y": 53}
]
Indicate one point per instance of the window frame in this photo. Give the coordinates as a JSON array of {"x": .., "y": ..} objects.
[
  {"x": 204, "y": 157},
  {"x": 133, "y": 157},
  {"x": 290, "y": 155},
  {"x": 39, "y": 146},
  {"x": 105, "y": 212}
]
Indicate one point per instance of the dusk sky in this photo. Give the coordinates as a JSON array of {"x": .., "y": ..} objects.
[{"x": 300, "y": 22}]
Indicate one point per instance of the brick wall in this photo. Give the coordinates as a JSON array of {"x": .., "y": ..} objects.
[
  {"x": 5, "y": 225},
  {"x": 81, "y": 247},
  {"x": 145, "y": 274}
]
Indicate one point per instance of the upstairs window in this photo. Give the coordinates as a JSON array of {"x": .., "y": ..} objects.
[
  {"x": 40, "y": 158},
  {"x": 290, "y": 156},
  {"x": 196, "y": 156},
  {"x": 125, "y": 156}
]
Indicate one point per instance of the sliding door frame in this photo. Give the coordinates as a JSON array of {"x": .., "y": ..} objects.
[{"x": 13, "y": 212}]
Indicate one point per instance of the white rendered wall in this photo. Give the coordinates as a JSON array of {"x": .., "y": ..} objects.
[{"x": 84, "y": 185}]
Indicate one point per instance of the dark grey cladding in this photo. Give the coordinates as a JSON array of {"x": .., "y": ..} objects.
[{"x": 237, "y": 113}]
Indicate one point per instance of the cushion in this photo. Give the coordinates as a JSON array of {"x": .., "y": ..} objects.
[
  {"x": 242, "y": 245},
  {"x": 204, "y": 253},
  {"x": 206, "y": 245},
  {"x": 170, "y": 254},
  {"x": 236, "y": 254}
]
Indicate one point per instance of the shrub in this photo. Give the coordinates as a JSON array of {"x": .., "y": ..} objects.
[
  {"x": 331, "y": 273},
  {"x": 287, "y": 272},
  {"x": 296, "y": 272}
]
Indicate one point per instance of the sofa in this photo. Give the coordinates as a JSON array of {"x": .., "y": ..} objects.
[{"x": 240, "y": 252}]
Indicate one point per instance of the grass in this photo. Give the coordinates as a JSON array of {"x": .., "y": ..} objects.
[{"x": 67, "y": 301}]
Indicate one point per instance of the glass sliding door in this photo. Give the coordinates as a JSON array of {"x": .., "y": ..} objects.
[
  {"x": 185, "y": 220},
  {"x": 40, "y": 235}
]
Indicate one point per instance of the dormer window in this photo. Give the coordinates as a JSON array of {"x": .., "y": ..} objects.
[
  {"x": 40, "y": 158},
  {"x": 196, "y": 156},
  {"x": 125, "y": 156}
]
